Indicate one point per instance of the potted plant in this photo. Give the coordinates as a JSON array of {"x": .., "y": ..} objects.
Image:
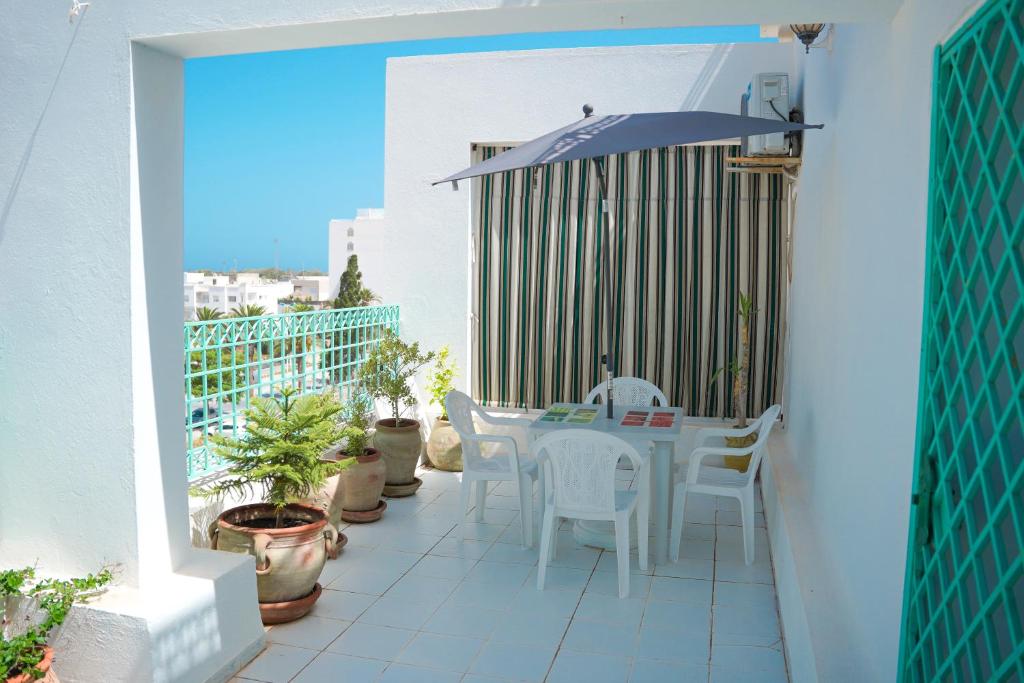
[
  {"x": 354, "y": 494},
  {"x": 280, "y": 456},
  {"x": 30, "y": 611},
  {"x": 739, "y": 388},
  {"x": 444, "y": 450},
  {"x": 385, "y": 375}
]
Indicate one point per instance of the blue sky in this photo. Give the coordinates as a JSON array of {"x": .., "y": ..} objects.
[{"x": 277, "y": 144}]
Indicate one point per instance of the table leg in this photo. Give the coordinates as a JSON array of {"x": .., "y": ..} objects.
[{"x": 662, "y": 490}]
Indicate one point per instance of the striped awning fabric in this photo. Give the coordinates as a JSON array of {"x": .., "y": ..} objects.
[{"x": 688, "y": 238}]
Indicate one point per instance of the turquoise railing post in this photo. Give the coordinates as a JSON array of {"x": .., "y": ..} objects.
[{"x": 231, "y": 361}]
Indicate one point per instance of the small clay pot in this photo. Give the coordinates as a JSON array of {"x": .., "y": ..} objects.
[
  {"x": 444, "y": 449},
  {"x": 363, "y": 481},
  {"x": 401, "y": 445},
  {"x": 356, "y": 488},
  {"x": 45, "y": 665}
]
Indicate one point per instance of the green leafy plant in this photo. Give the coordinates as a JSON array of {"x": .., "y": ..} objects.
[
  {"x": 23, "y": 636},
  {"x": 281, "y": 450},
  {"x": 441, "y": 380},
  {"x": 355, "y": 417},
  {"x": 388, "y": 369},
  {"x": 710, "y": 387},
  {"x": 739, "y": 367}
]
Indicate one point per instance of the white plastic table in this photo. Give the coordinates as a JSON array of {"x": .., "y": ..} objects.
[{"x": 664, "y": 439}]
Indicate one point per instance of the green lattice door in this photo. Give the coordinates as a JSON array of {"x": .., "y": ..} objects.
[{"x": 963, "y": 611}]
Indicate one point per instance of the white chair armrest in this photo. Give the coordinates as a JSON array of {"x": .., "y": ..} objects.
[
  {"x": 505, "y": 421},
  {"x": 513, "y": 453},
  {"x": 711, "y": 432}
]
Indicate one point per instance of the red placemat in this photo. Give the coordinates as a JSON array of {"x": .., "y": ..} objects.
[{"x": 648, "y": 418}]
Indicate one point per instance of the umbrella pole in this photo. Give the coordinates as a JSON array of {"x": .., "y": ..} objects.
[{"x": 609, "y": 356}]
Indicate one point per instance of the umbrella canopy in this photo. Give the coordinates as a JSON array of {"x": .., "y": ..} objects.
[{"x": 598, "y": 136}]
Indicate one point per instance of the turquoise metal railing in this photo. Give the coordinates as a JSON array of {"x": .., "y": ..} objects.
[{"x": 230, "y": 362}]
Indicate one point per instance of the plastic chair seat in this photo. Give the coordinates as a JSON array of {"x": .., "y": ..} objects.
[
  {"x": 721, "y": 476},
  {"x": 497, "y": 462}
]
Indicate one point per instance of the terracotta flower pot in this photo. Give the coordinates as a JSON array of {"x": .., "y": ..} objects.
[
  {"x": 444, "y": 449},
  {"x": 356, "y": 488},
  {"x": 401, "y": 446},
  {"x": 288, "y": 560},
  {"x": 45, "y": 665}
]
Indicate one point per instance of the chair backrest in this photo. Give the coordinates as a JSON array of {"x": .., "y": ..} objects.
[
  {"x": 460, "y": 409},
  {"x": 764, "y": 426},
  {"x": 629, "y": 391},
  {"x": 580, "y": 468}
]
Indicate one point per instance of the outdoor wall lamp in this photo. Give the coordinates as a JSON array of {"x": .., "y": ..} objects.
[{"x": 806, "y": 33}]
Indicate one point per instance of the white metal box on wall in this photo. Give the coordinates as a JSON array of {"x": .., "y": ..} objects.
[{"x": 769, "y": 99}]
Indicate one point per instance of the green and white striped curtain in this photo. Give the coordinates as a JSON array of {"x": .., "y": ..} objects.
[{"x": 688, "y": 238}]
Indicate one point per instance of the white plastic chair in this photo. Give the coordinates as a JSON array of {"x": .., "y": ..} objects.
[
  {"x": 502, "y": 464},
  {"x": 579, "y": 474},
  {"x": 722, "y": 481},
  {"x": 629, "y": 391}
]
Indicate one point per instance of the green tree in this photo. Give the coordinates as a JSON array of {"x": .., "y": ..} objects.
[
  {"x": 388, "y": 369},
  {"x": 207, "y": 313},
  {"x": 281, "y": 450},
  {"x": 351, "y": 292},
  {"x": 248, "y": 311},
  {"x": 302, "y": 343},
  {"x": 227, "y": 379},
  {"x": 251, "y": 350}
]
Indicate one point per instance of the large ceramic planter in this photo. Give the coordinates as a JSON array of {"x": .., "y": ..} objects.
[
  {"x": 444, "y": 449},
  {"x": 354, "y": 493},
  {"x": 46, "y": 666},
  {"x": 401, "y": 446},
  {"x": 288, "y": 560}
]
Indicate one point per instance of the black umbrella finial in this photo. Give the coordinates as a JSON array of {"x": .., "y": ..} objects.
[{"x": 588, "y": 110}]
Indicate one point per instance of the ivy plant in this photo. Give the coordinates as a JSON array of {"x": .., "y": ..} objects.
[{"x": 23, "y": 635}]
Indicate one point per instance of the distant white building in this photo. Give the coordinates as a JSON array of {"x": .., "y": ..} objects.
[
  {"x": 312, "y": 288},
  {"x": 223, "y": 292}
]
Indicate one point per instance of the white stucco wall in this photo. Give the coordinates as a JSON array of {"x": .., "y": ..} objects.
[
  {"x": 843, "y": 473},
  {"x": 417, "y": 254}
]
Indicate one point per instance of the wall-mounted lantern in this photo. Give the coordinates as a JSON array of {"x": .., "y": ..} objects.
[{"x": 807, "y": 33}]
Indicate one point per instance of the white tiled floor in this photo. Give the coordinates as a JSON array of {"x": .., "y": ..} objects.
[{"x": 408, "y": 601}]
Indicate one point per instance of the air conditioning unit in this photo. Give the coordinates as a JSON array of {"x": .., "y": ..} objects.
[{"x": 768, "y": 97}]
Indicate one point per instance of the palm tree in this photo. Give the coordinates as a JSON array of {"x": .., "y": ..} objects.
[
  {"x": 250, "y": 311},
  {"x": 207, "y": 313},
  {"x": 301, "y": 343}
]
